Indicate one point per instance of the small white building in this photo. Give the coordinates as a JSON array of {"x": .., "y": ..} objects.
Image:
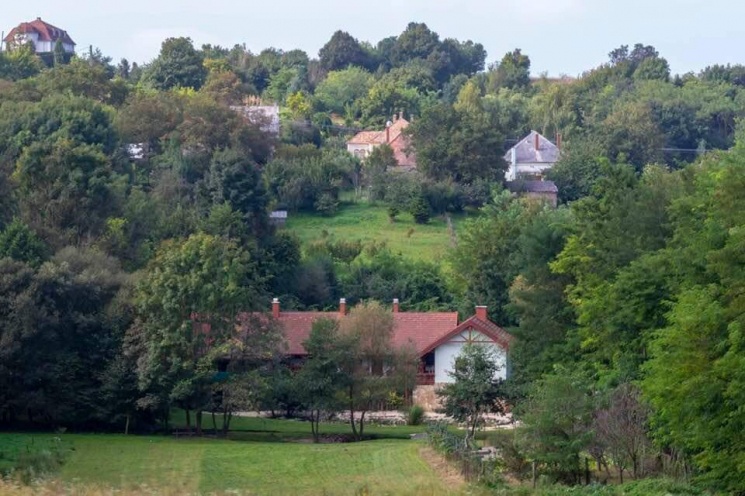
[
  {"x": 43, "y": 35},
  {"x": 439, "y": 357},
  {"x": 266, "y": 117},
  {"x": 531, "y": 157}
]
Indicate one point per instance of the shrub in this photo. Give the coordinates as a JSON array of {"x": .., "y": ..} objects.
[
  {"x": 393, "y": 211},
  {"x": 416, "y": 415},
  {"x": 39, "y": 460},
  {"x": 326, "y": 204},
  {"x": 419, "y": 209}
]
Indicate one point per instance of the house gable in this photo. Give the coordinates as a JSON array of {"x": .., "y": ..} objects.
[
  {"x": 531, "y": 156},
  {"x": 471, "y": 328}
]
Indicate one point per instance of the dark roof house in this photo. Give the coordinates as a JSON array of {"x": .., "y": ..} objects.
[{"x": 531, "y": 156}]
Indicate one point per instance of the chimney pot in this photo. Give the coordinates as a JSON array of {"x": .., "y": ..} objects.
[
  {"x": 275, "y": 308},
  {"x": 342, "y": 306},
  {"x": 481, "y": 313},
  {"x": 537, "y": 142},
  {"x": 395, "y": 305}
]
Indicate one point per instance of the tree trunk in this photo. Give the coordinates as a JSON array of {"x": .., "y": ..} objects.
[
  {"x": 229, "y": 418},
  {"x": 126, "y": 425},
  {"x": 214, "y": 422},
  {"x": 315, "y": 419},
  {"x": 620, "y": 474},
  {"x": 362, "y": 425},
  {"x": 199, "y": 422},
  {"x": 354, "y": 426},
  {"x": 188, "y": 420}
]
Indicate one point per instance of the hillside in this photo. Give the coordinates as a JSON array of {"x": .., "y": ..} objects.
[{"x": 370, "y": 223}]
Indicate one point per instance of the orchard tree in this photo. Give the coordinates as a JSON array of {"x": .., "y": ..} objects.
[{"x": 475, "y": 389}]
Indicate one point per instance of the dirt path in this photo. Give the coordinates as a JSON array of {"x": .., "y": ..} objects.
[{"x": 447, "y": 472}]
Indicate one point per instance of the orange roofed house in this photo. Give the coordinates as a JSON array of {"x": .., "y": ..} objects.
[
  {"x": 438, "y": 338},
  {"x": 42, "y": 35},
  {"x": 364, "y": 142}
]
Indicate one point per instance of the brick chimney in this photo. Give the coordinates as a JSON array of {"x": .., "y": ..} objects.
[
  {"x": 275, "y": 308},
  {"x": 481, "y": 313},
  {"x": 395, "y": 305},
  {"x": 537, "y": 141},
  {"x": 558, "y": 141},
  {"x": 342, "y": 306}
]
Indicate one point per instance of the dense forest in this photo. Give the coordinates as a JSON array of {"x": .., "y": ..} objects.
[{"x": 626, "y": 300}]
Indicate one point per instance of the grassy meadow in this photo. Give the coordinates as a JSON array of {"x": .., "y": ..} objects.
[
  {"x": 261, "y": 456},
  {"x": 367, "y": 223}
]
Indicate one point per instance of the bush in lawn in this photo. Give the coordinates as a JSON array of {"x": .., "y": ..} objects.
[
  {"x": 39, "y": 460},
  {"x": 393, "y": 211},
  {"x": 512, "y": 454},
  {"x": 327, "y": 204},
  {"x": 416, "y": 415},
  {"x": 419, "y": 209}
]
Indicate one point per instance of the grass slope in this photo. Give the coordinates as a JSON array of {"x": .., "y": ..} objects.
[{"x": 365, "y": 222}]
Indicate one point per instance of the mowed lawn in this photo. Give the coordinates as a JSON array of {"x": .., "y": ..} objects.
[
  {"x": 188, "y": 465},
  {"x": 365, "y": 222}
]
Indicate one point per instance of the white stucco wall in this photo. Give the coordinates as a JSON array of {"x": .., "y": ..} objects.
[
  {"x": 44, "y": 47},
  {"x": 536, "y": 169},
  {"x": 360, "y": 150},
  {"x": 445, "y": 357}
]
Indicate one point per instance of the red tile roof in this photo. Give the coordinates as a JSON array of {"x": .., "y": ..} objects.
[
  {"x": 419, "y": 329},
  {"x": 46, "y": 32},
  {"x": 367, "y": 138},
  {"x": 485, "y": 327},
  {"x": 379, "y": 137}
]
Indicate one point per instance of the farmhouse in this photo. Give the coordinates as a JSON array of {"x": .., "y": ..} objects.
[
  {"x": 531, "y": 157},
  {"x": 42, "y": 35},
  {"x": 364, "y": 142},
  {"x": 437, "y": 337}
]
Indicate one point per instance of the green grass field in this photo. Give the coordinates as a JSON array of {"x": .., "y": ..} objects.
[
  {"x": 188, "y": 466},
  {"x": 365, "y": 222},
  {"x": 262, "y": 456}
]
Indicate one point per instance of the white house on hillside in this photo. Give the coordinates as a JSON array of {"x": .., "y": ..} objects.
[
  {"x": 531, "y": 157},
  {"x": 43, "y": 35}
]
